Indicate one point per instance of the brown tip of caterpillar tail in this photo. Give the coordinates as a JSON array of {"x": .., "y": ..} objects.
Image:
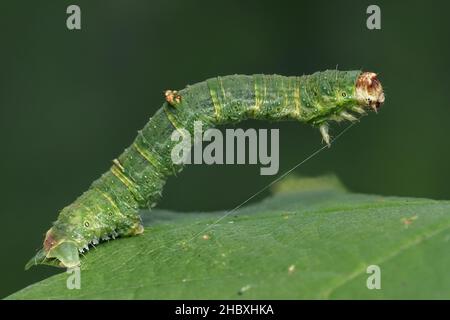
[
  {"x": 369, "y": 90},
  {"x": 49, "y": 241}
]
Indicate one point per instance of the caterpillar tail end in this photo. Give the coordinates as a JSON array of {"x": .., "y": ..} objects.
[
  {"x": 39, "y": 258},
  {"x": 62, "y": 253}
]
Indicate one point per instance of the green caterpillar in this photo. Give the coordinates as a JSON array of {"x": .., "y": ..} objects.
[{"x": 109, "y": 208}]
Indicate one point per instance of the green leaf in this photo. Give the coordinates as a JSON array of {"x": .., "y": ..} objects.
[{"x": 311, "y": 239}]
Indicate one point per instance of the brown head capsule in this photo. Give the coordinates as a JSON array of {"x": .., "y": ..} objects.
[{"x": 369, "y": 90}]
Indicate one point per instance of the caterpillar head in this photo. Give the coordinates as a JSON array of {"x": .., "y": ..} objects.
[{"x": 369, "y": 91}]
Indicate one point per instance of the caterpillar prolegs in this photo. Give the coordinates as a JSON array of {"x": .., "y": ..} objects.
[{"x": 109, "y": 208}]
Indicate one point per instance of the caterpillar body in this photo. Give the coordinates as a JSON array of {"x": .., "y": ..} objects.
[{"x": 109, "y": 208}]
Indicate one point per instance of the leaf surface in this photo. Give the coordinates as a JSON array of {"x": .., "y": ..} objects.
[{"x": 310, "y": 240}]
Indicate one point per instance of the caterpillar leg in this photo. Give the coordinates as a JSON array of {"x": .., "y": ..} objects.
[
  {"x": 324, "y": 132},
  {"x": 359, "y": 110},
  {"x": 348, "y": 116},
  {"x": 138, "y": 228}
]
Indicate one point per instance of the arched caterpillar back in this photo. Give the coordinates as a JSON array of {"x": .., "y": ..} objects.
[{"x": 109, "y": 208}]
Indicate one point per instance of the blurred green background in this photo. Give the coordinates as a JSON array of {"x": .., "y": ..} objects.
[{"x": 70, "y": 101}]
